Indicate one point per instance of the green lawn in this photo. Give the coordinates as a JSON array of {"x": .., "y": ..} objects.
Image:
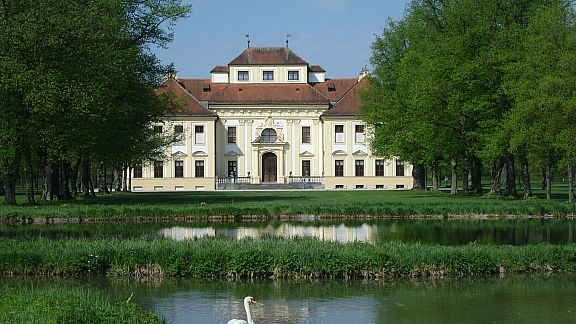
[{"x": 270, "y": 203}]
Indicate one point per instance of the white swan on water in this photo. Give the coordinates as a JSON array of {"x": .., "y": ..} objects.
[{"x": 247, "y": 301}]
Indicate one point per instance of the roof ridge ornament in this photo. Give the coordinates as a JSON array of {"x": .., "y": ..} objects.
[
  {"x": 248, "y": 39},
  {"x": 287, "y": 37}
]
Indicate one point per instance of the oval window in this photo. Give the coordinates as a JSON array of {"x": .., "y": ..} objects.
[{"x": 268, "y": 136}]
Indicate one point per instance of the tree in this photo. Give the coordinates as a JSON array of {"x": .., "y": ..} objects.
[{"x": 78, "y": 76}]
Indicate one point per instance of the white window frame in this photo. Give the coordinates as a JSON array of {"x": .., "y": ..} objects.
[
  {"x": 199, "y": 137},
  {"x": 339, "y": 136}
]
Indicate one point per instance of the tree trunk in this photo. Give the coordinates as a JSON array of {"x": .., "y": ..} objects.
[
  {"x": 65, "y": 171},
  {"x": 454, "y": 180},
  {"x": 419, "y": 176},
  {"x": 476, "y": 175},
  {"x": 465, "y": 173},
  {"x": 118, "y": 178},
  {"x": 525, "y": 171},
  {"x": 28, "y": 172},
  {"x": 101, "y": 178},
  {"x": 435, "y": 175},
  {"x": 125, "y": 177},
  {"x": 129, "y": 178},
  {"x": 570, "y": 183},
  {"x": 496, "y": 175},
  {"x": 510, "y": 175},
  {"x": 543, "y": 183},
  {"x": 1, "y": 187},
  {"x": 9, "y": 179},
  {"x": 548, "y": 178},
  {"x": 74, "y": 178},
  {"x": 51, "y": 189},
  {"x": 85, "y": 177}
]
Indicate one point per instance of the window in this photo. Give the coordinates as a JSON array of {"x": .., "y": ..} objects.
[
  {"x": 293, "y": 75},
  {"x": 339, "y": 133},
  {"x": 305, "y": 168},
  {"x": 242, "y": 75},
  {"x": 158, "y": 169},
  {"x": 199, "y": 169},
  {"x": 399, "y": 168},
  {"x": 158, "y": 129},
  {"x": 232, "y": 169},
  {"x": 305, "y": 134},
  {"x": 268, "y": 136},
  {"x": 179, "y": 134},
  {"x": 379, "y": 168},
  {"x": 339, "y": 168},
  {"x": 359, "y": 168},
  {"x": 137, "y": 170},
  {"x": 359, "y": 132},
  {"x": 179, "y": 169},
  {"x": 231, "y": 134},
  {"x": 199, "y": 133},
  {"x": 268, "y": 75}
]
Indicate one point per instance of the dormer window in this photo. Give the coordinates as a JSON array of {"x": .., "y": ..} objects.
[
  {"x": 331, "y": 87},
  {"x": 268, "y": 75},
  {"x": 293, "y": 75},
  {"x": 242, "y": 75}
]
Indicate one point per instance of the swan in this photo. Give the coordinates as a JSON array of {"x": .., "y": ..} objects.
[{"x": 247, "y": 301}]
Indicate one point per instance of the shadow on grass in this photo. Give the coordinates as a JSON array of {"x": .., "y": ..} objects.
[{"x": 188, "y": 198}]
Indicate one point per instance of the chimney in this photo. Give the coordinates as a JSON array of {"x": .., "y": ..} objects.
[{"x": 363, "y": 73}]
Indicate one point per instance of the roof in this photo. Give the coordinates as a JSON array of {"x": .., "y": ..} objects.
[
  {"x": 316, "y": 68},
  {"x": 190, "y": 105},
  {"x": 268, "y": 94},
  {"x": 220, "y": 69},
  {"x": 202, "y": 89},
  {"x": 267, "y": 56},
  {"x": 350, "y": 104},
  {"x": 335, "y": 89}
]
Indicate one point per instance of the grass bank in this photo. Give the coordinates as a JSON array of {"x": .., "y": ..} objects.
[
  {"x": 29, "y": 304},
  {"x": 270, "y": 204},
  {"x": 279, "y": 258}
]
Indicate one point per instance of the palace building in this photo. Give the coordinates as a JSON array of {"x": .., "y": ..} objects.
[{"x": 268, "y": 120}]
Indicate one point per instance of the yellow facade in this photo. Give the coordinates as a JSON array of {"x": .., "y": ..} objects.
[{"x": 280, "y": 133}]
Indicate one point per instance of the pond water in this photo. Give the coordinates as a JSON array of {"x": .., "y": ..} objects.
[
  {"x": 514, "y": 299},
  {"x": 510, "y": 232}
]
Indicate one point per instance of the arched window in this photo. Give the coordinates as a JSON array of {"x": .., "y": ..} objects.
[{"x": 268, "y": 136}]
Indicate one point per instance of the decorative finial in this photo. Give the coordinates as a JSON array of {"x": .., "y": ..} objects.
[
  {"x": 248, "y": 37},
  {"x": 287, "y": 36}
]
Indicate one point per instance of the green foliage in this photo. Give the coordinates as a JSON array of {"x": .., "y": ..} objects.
[
  {"x": 299, "y": 258},
  {"x": 77, "y": 76},
  {"x": 29, "y": 304},
  {"x": 462, "y": 80}
]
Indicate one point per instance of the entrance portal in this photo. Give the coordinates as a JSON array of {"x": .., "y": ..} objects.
[{"x": 269, "y": 164}]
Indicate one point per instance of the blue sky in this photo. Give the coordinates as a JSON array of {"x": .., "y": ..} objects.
[{"x": 335, "y": 34}]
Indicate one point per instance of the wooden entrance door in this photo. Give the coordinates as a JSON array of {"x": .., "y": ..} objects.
[{"x": 269, "y": 164}]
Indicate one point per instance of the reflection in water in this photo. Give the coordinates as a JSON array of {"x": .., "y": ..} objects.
[
  {"x": 443, "y": 232},
  {"x": 426, "y": 232},
  {"x": 514, "y": 299},
  {"x": 333, "y": 233}
]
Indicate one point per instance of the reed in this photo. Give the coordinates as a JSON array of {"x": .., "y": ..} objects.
[
  {"x": 32, "y": 304},
  {"x": 273, "y": 257}
]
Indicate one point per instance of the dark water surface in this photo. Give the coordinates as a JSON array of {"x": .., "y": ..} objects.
[
  {"x": 514, "y": 299},
  {"x": 509, "y": 232}
]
